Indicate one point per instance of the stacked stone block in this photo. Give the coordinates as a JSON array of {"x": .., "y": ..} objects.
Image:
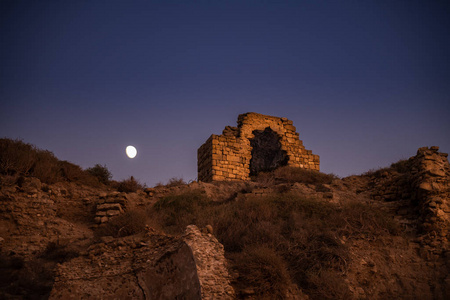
[
  {"x": 228, "y": 156},
  {"x": 110, "y": 206}
]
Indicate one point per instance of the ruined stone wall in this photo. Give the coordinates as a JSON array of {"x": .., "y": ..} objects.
[
  {"x": 228, "y": 156},
  {"x": 423, "y": 183},
  {"x": 431, "y": 186},
  {"x": 109, "y": 206},
  {"x": 210, "y": 263}
]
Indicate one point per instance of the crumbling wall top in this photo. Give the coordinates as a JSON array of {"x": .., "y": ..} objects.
[{"x": 266, "y": 141}]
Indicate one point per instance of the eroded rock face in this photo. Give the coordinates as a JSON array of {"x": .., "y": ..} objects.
[{"x": 150, "y": 266}]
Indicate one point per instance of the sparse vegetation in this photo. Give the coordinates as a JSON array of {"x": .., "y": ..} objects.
[
  {"x": 129, "y": 185},
  {"x": 292, "y": 174},
  {"x": 175, "y": 212},
  {"x": 302, "y": 236},
  {"x": 265, "y": 270},
  {"x": 377, "y": 173},
  {"x": 402, "y": 166},
  {"x": 175, "y": 181}
]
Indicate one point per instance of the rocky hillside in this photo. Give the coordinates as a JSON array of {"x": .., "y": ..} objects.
[{"x": 287, "y": 234}]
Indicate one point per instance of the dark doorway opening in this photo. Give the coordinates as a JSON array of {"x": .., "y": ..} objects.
[{"x": 266, "y": 153}]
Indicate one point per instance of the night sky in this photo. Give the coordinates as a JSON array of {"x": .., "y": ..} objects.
[{"x": 365, "y": 82}]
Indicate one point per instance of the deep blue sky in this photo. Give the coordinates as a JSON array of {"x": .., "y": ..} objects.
[{"x": 365, "y": 82}]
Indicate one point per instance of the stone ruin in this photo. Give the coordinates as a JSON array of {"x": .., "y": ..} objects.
[
  {"x": 424, "y": 185},
  {"x": 259, "y": 143}
]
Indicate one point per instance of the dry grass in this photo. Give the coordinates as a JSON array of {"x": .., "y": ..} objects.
[
  {"x": 173, "y": 213},
  {"x": 402, "y": 166},
  {"x": 265, "y": 270},
  {"x": 299, "y": 239},
  {"x": 292, "y": 174}
]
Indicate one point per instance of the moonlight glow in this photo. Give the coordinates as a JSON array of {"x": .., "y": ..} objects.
[{"x": 131, "y": 151}]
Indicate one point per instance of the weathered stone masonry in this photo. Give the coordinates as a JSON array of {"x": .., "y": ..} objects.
[{"x": 230, "y": 156}]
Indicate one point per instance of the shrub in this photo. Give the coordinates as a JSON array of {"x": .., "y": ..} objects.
[
  {"x": 19, "y": 158},
  {"x": 402, "y": 166},
  {"x": 175, "y": 212},
  {"x": 101, "y": 173},
  {"x": 16, "y": 157},
  {"x": 129, "y": 185},
  {"x": 262, "y": 269},
  {"x": 73, "y": 173},
  {"x": 175, "y": 182},
  {"x": 46, "y": 167},
  {"x": 128, "y": 223}
]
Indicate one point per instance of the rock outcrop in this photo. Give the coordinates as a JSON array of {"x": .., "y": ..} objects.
[
  {"x": 149, "y": 266},
  {"x": 210, "y": 264}
]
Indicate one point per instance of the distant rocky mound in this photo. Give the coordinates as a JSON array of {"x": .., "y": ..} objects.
[{"x": 286, "y": 234}]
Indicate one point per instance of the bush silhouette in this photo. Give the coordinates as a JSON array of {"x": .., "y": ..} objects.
[
  {"x": 21, "y": 159},
  {"x": 101, "y": 173}
]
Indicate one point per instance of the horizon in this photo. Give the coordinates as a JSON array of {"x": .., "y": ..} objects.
[{"x": 365, "y": 84}]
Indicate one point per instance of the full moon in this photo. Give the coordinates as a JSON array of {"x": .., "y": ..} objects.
[{"x": 131, "y": 151}]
